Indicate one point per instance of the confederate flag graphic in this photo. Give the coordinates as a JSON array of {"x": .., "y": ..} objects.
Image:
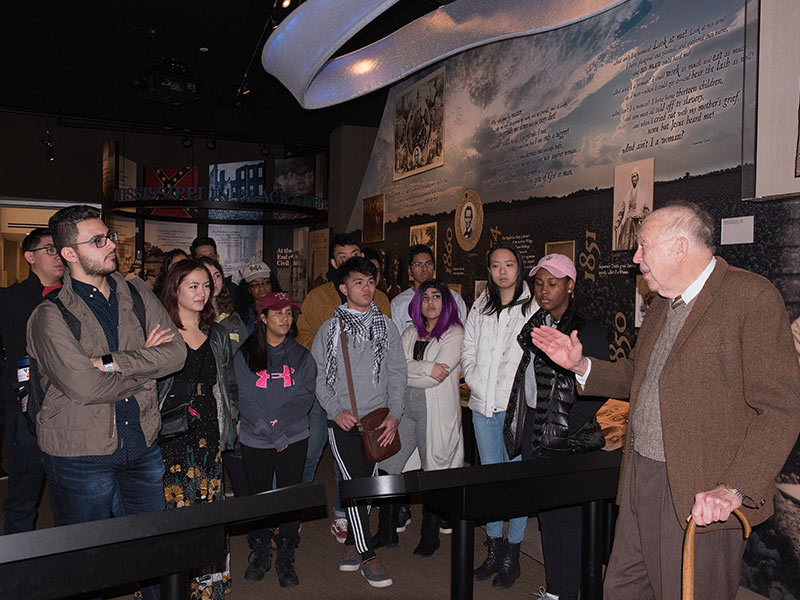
[{"x": 179, "y": 185}]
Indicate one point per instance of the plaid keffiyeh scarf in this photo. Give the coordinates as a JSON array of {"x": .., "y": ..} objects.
[{"x": 359, "y": 327}]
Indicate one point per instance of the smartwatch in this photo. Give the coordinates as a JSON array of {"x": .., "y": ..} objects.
[{"x": 108, "y": 363}]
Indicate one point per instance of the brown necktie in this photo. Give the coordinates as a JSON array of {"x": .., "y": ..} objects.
[{"x": 677, "y": 302}]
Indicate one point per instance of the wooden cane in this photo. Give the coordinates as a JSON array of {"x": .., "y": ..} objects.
[{"x": 688, "y": 554}]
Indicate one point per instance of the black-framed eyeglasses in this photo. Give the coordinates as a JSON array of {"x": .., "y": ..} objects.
[
  {"x": 100, "y": 241},
  {"x": 49, "y": 249},
  {"x": 262, "y": 284},
  {"x": 418, "y": 265}
]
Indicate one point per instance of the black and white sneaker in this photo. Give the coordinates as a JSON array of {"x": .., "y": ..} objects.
[{"x": 403, "y": 518}]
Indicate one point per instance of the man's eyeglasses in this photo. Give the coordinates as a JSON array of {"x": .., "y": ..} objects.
[
  {"x": 419, "y": 265},
  {"x": 50, "y": 250},
  {"x": 99, "y": 241}
]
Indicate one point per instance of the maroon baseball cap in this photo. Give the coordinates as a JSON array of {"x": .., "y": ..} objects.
[
  {"x": 276, "y": 301},
  {"x": 557, "y": 264}
]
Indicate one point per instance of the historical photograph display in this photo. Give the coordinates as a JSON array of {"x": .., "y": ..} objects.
[
  {"x": 419, "y": 127},
  {"x": 373, "y": 211},
  {"x": 633, "y": 201},
  {"x": 468, "y": 220},
  {"x": 236, "y": 182},
  {"x": 295, "y": 176},
  {"x": 566, "y": 247},
  {"x": 423, "y": 234}
]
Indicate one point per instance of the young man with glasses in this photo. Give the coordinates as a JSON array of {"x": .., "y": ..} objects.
[
  {"x": 99, "y": 420},
  {"x": 26, "y": 474},
  {"x": 421, "y": 267}
]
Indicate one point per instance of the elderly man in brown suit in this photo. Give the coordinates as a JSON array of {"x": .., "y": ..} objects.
[{"x": 713, "y": 385}]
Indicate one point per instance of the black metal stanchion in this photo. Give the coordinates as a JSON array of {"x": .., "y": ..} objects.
[
  {"x": 592, "y": 576},
  {"x": 461, "y": 559}
]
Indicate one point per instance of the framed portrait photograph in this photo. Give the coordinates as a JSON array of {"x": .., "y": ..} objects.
[
  {"x": 633, "y": 201},
  {"x": 372, "y": 219},
  {"x": 565, "y": 247},
  {"x": 423, "y": 234},
  {"x": 419, "y": 127},
  {"x": 468, "y": 220}
]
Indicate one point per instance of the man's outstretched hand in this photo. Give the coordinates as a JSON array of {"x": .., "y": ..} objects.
[{"x": 564, "y": 350}]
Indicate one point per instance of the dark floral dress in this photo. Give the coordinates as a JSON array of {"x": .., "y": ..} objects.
[{"x": 193, "y": 461}]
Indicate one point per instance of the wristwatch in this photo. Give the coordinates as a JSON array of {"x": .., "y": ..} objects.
[{"x": 108, "y": 363}]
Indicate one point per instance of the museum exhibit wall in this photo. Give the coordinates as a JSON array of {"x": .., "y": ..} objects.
[{"x": 558, "y": 141}]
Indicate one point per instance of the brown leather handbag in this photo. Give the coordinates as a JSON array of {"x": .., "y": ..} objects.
[
  {"x": 369, "y": 424},
  {"x": 688, "y": 554}
]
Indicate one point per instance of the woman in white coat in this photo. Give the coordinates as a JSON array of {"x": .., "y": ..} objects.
[
  {"x": 431, "y": 420},
  {"x": 489, "y": 359}
]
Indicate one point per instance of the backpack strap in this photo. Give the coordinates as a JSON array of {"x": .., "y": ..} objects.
[
  {"x": 72, "y": 321},
  {"x": 138, "y": 307}
]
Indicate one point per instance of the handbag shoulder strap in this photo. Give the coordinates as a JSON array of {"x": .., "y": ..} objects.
[{"x": 348, "y": 372}]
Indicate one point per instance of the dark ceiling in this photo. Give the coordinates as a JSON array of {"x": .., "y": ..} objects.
[{"x": 79, "y": 61}]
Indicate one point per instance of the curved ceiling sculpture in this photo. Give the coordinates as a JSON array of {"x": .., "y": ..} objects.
[{"x": 298, "y": 51}]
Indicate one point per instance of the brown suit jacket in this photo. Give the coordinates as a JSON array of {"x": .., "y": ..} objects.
[{"x": 728, "y": 391}]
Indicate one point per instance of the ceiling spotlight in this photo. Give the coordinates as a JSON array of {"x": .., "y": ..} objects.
[
  {"x": 211, "y": 143},
  {"x": 187, "y": 141},
  {"x": 265, "y": 150},
  {"x": 244, "y": 89},
  {"x": 286, "y": 3}
]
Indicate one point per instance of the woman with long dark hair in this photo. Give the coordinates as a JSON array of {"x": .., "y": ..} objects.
[
  {"x": 431, "y": 420},
  {"x": 277, "y": 381},
  {"x": 546, "y": 417},
  {"x": 206, "y": 389},
  {"x": 490, "y": 355}
]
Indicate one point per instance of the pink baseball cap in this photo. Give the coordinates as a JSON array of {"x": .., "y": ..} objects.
[
  {"x": 557, "y": 264},
  {"x": 275, "y": 301}
]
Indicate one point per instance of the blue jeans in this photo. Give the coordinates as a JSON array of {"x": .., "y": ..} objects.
[
  {"x": 25, "y": 476},
  {"x": 89, "y": 488},
  {"x": 492, "y": 450},
  {"x": 83, "y": 487},
  {"x": 318, "y": 437}
]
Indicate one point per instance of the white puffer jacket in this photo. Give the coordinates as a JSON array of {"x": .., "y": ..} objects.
[{"x": 490, "y": 353}]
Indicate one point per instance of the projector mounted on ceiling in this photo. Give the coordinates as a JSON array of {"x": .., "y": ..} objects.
[{"x": 168, "y": 83}]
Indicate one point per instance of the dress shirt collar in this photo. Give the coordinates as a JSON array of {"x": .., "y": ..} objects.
[{"x": 694, "y": 288}]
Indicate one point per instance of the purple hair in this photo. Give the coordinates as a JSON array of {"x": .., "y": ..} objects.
[{"x": 447, "y": 318}]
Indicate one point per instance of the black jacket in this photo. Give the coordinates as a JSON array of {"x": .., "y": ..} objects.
[
  {"x": 225, "y": 391},
  {"x": 562, "y": 425},
  {"x": 17, "y": 302}
]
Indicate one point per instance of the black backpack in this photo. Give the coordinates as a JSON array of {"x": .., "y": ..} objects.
[{"x": 36, "y": 391}]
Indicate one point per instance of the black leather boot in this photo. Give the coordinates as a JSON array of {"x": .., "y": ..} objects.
[
  {"x": 429, "y": 540},
  {"x": 284, "y": 562},
  {"x": 494, "y": 558},
  {"x": 387, "y": 527},
  {"x": 509, "y": 570},
  {"x": 260, "y": 555}
]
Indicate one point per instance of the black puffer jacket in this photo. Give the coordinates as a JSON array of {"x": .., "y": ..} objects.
[{"x": 563, "y": 425}]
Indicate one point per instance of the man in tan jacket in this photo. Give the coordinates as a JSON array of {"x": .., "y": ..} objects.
[
  {"x": 99, "y": 420},
  {"x": 713, "y": 385}
]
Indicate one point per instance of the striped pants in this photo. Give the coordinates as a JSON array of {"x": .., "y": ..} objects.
[{"x": 348, "y": 452}]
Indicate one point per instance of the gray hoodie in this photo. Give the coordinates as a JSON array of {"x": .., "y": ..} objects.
[{"x": 274, "y": 403}]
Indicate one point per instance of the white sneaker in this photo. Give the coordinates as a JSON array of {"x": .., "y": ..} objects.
[
  {"x": 339, "y": 529},
  {"x": 543, "y": 594}
]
